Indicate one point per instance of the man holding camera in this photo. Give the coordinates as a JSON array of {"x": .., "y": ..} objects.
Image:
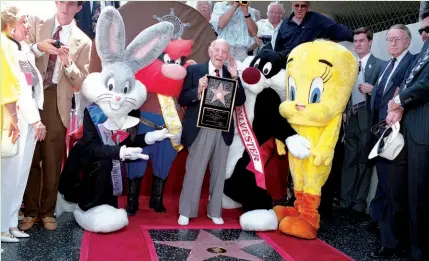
[
  {"x": 267, "y": 27},
  {"x": 62, "y": 53},
  {"x": 234, "y": 21}
]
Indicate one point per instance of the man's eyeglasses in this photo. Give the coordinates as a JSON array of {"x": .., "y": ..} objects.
[
  {"x": 395, "y": 40},
  {"x": 426, "y": 30},
  {"x": 300, "y": 6},
  {"x": 379, "y": 128}
]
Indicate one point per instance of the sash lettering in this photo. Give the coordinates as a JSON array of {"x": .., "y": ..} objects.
[{"x": 251, "y": 144}]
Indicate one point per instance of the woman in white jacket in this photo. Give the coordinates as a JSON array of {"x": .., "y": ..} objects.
[{"x": 15, "y": 169}]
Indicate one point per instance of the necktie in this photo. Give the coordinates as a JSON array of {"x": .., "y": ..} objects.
[
  {"x": 95, "y": 14},
  {"x": 382, "y": 84},
  {"x": 386, "y": 75},
  {"x": 51, "y": 63},
  {"x": 217, "y": 73},
  {"x": 360, "y": 66}
]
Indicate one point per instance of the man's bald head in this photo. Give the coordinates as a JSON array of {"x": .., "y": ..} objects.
[{"x": 219, "y": 52}]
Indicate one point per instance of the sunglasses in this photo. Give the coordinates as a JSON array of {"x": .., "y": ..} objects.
[
  {"x": 300, "y": 6},
  {"x": 426, "y": 30}
]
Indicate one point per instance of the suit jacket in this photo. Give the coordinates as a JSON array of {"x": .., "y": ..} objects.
[
  {"x": 189, "y": 97},
  {"x": 371, "y": 75},
  {"x": 79, "y": 52},
  {"x": 414, "y": 98},
  {"x": 393, "y": 83},
  {"x": 84, "y": 17}
]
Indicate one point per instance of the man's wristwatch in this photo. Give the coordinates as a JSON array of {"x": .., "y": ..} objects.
[{"x": 247, "y": 16}]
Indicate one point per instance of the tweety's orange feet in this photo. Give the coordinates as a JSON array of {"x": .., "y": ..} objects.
[
  {"x": 298, "y": 227},
  {"x": 282, "y": 211}
]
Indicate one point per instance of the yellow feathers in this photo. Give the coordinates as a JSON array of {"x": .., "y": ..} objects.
[{"x": 319, "y": 79}]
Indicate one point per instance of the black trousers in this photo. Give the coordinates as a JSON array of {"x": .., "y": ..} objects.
[
  {"x": 393, "y": 220},
  {"x": 418, "y": 197}
]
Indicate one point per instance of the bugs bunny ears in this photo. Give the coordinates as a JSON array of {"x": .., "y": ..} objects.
[{"x": 142, "y": 51}]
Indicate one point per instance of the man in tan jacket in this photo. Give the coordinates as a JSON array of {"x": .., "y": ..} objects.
[{"x": 62, "y": 53}]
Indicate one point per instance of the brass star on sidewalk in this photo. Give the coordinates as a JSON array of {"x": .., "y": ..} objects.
[{"x": 207, "y": 246}]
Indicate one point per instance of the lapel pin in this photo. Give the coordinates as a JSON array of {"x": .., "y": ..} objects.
[{"x": 370, "y": 66}]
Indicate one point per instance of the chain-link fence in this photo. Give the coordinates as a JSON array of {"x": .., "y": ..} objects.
[{"x": 378, "y": 16}]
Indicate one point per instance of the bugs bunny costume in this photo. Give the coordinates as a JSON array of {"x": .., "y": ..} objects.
[{"x": 114, "y": 92}]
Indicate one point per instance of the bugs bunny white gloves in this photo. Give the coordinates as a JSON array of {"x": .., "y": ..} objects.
[
  {"x": 298, "y": 146},
  {"x": 132, "y": 153}
]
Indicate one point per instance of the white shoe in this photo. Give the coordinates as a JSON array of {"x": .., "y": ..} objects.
[
  {"x": 18, "y": 233},
  {"x": 183, "y": 221},
  {"x": 8, "y": 238},
  {"x": 217, "y": 221}
]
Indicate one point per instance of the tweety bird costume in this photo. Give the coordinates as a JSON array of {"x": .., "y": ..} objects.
[{"x": 320, "y": 76}]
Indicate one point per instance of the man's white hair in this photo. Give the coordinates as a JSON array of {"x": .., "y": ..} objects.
[
  {"x": 275, "y": 3},
  {"x": 194, "y": 3}
]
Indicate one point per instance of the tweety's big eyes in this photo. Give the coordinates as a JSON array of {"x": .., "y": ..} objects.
[
  {"x": 292, "y": 88},
  {"x": 316, "y": 90}
]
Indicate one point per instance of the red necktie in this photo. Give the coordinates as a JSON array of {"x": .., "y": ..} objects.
[
  {"x": 217, "y": 73},
  {"x": 52, "y": 61}
]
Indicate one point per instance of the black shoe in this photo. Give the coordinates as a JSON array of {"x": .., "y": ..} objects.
[
  {"x": 156, "y": 197},
  {"x": 375, "y": 241},
  {"x": 370, "y": 225},
  {"x": 133, "y": 196},
  {"x": 383, "y": 252}
]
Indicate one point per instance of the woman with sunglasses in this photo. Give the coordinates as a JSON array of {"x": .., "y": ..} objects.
[{"x": 15, "y": 169}]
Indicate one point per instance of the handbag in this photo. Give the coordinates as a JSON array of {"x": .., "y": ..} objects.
[{"x": 8, "y": 149}]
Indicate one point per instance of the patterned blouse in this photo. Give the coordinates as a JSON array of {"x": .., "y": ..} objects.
[{"x": 235, "y": 32}]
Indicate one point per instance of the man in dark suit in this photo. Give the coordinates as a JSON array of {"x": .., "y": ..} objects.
[
  {"x": 386, "y": 208},
  {"x": 205, "y": 145},
  {"x": 356, "y": 174},
  {"x": 87, "y": 18},
  {"x": 413, "y": 100}
]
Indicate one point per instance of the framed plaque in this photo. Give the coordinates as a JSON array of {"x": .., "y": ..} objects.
[{"x": 217, "y": 104}]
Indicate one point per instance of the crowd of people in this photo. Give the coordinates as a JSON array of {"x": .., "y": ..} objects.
[{"x": 44, "y": 62}]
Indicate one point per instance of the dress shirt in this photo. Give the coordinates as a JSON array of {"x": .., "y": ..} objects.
[
  {"x": 212, "y": 69},
  {"x": 64, "y": 38},
  {"x": 265, "y": 27},
  {"x": 363, "y": 62},
  {"x": 398, "y": 60}
]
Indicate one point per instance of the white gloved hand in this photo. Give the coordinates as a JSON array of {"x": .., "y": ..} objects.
[
  {"x": 158, "y": 135},
  {"x": 132, "y": 153},
  {"x": 298, "y": 146}
]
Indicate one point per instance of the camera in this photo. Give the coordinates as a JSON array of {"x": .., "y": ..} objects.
[
  {"x": 265, "y": 38},
  {"x": 243, "y": 2},
  {"x": 58, "y": 44}
]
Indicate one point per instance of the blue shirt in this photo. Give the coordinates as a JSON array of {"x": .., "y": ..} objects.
[{"x": 313, "y": 26}]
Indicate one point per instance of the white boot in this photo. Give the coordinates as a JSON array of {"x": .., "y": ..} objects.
[{"x": 183, "y": 221}]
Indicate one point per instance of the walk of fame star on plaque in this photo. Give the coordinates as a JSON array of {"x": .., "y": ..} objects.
[
  {"x": 210, "y": 244},
  {"x": 217, "y": 104}
]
